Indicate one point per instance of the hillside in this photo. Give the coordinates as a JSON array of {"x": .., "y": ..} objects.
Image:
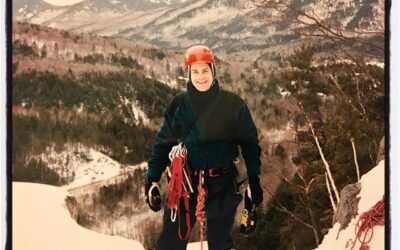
[{"x": 243, "y": 30}]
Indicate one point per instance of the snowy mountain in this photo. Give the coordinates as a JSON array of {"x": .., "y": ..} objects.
[
  {"x": 26, "y": 9},
  {"x": 372, "y": 191},
  {"x": 233, "y": 27}
]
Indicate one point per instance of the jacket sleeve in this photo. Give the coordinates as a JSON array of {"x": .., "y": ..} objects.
[
  {"x": 247, "y": 138},
  {"x": 165, "y": 140}
]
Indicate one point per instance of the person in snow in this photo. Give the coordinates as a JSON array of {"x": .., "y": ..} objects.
[{"x": 211, "y": 123}]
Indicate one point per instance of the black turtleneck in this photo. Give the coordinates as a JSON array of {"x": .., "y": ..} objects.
[{"x": 202, "y": 100}]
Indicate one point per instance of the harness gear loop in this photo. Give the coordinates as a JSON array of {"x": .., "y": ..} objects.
[
  {"x": 364, "y": 227},
  {"x": 200, "y": 213}
]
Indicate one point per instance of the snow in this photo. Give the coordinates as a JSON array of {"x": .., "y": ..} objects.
[
  {"x": 57, "y": 229},
  {"x": 170, "y": 83},
  {"x": 136, "y": 110},
  {"x": 47, "y": 224},
  {"x": 283, "y": 93},
  {"x": 47, "y": 15},
  {"x": 373, "y": 189},
  {"x": 88, "y": 164},
  {"x": 376, "y": 63},
  {"x": 196, "y": 246}
]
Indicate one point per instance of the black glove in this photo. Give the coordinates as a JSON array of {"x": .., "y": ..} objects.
[
  {"x": 256, "y": 190},
  {"x": 153, "y": 195}
]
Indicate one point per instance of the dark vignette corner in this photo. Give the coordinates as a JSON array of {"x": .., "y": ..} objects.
[
  {"x": 8, "y": 25},
  {"x": 387, "y": 126}
]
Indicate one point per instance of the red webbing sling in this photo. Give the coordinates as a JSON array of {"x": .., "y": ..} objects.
[{"x": 176, "y": 191}]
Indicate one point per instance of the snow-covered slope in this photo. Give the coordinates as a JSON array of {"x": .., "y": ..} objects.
[
  {"x": 372, "y": 191},
  {"x": 41, "y": 221},
  {"x": 197, "y": 246},
  {"x": 83, "y": 165}
]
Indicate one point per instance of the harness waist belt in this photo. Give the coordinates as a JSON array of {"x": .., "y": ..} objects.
[{"x": 215, "y": 172}]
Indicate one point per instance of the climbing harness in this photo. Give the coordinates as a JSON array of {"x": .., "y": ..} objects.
[
  {"x": 364, "y": 227},
  {"x": 180, "y": 186}
]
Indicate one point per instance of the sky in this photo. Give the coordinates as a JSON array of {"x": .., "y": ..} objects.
[{"x": 62, "y": 2}]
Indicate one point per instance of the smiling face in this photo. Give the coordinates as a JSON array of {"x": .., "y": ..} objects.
[{"x": 201, "y": 76}]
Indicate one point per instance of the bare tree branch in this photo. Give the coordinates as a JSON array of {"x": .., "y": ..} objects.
[
  {"x": 315, "y": 22},
  {"x": 330, "y": 193},
  {"x": 282, "y": 208},
  {"x": 355, "y": 158},
  {"x": 327, "y": 167}
]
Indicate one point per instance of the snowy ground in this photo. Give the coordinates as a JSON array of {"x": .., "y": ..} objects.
[
  {"x": 196, "y": 246},
  {"x": 41, "y": 221},
  {"x": 373, "y": 188},
  {"x": 47, "y": 224},
  {"x": 88, "y": 165},
  {"x": 38, "y": 206}
]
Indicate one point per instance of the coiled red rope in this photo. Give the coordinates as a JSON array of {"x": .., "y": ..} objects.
[
  {"x": 364, "y": 231},
  {"x": 200, "y": 213}
]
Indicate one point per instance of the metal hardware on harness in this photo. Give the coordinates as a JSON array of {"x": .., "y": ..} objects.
[
  {"x": 180, "y": 151},
  {"x": 215, "y": 172},
  {"x": 211, "y": 172},
  {"x": 173, "y": 214}
]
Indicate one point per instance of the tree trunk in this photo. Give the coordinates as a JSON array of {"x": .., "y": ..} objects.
[
  {"x": 313, "y": 222},
  {"x": 355, "y": 158},
  {"x": 330, "y": 193}
]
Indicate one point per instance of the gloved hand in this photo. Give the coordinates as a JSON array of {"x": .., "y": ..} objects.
[
  {"x": 153, "y": 195},
  {"x": 256, "y": 190}
]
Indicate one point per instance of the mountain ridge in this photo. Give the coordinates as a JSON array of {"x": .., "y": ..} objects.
[{"x": 225, "y": 26}]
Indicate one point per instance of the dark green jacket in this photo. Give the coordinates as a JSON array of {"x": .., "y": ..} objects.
[{"x": 212, "y": 140}]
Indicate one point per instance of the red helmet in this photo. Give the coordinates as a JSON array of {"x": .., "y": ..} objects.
[{"x": 198, "y": 53}]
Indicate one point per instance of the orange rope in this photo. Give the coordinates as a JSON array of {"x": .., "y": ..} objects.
[
  {"x": 366, "y": 222},
  {"x": 200, "y": 213}
]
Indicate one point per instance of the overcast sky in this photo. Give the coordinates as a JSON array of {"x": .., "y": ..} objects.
[{"x": 62, "y": 2}]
